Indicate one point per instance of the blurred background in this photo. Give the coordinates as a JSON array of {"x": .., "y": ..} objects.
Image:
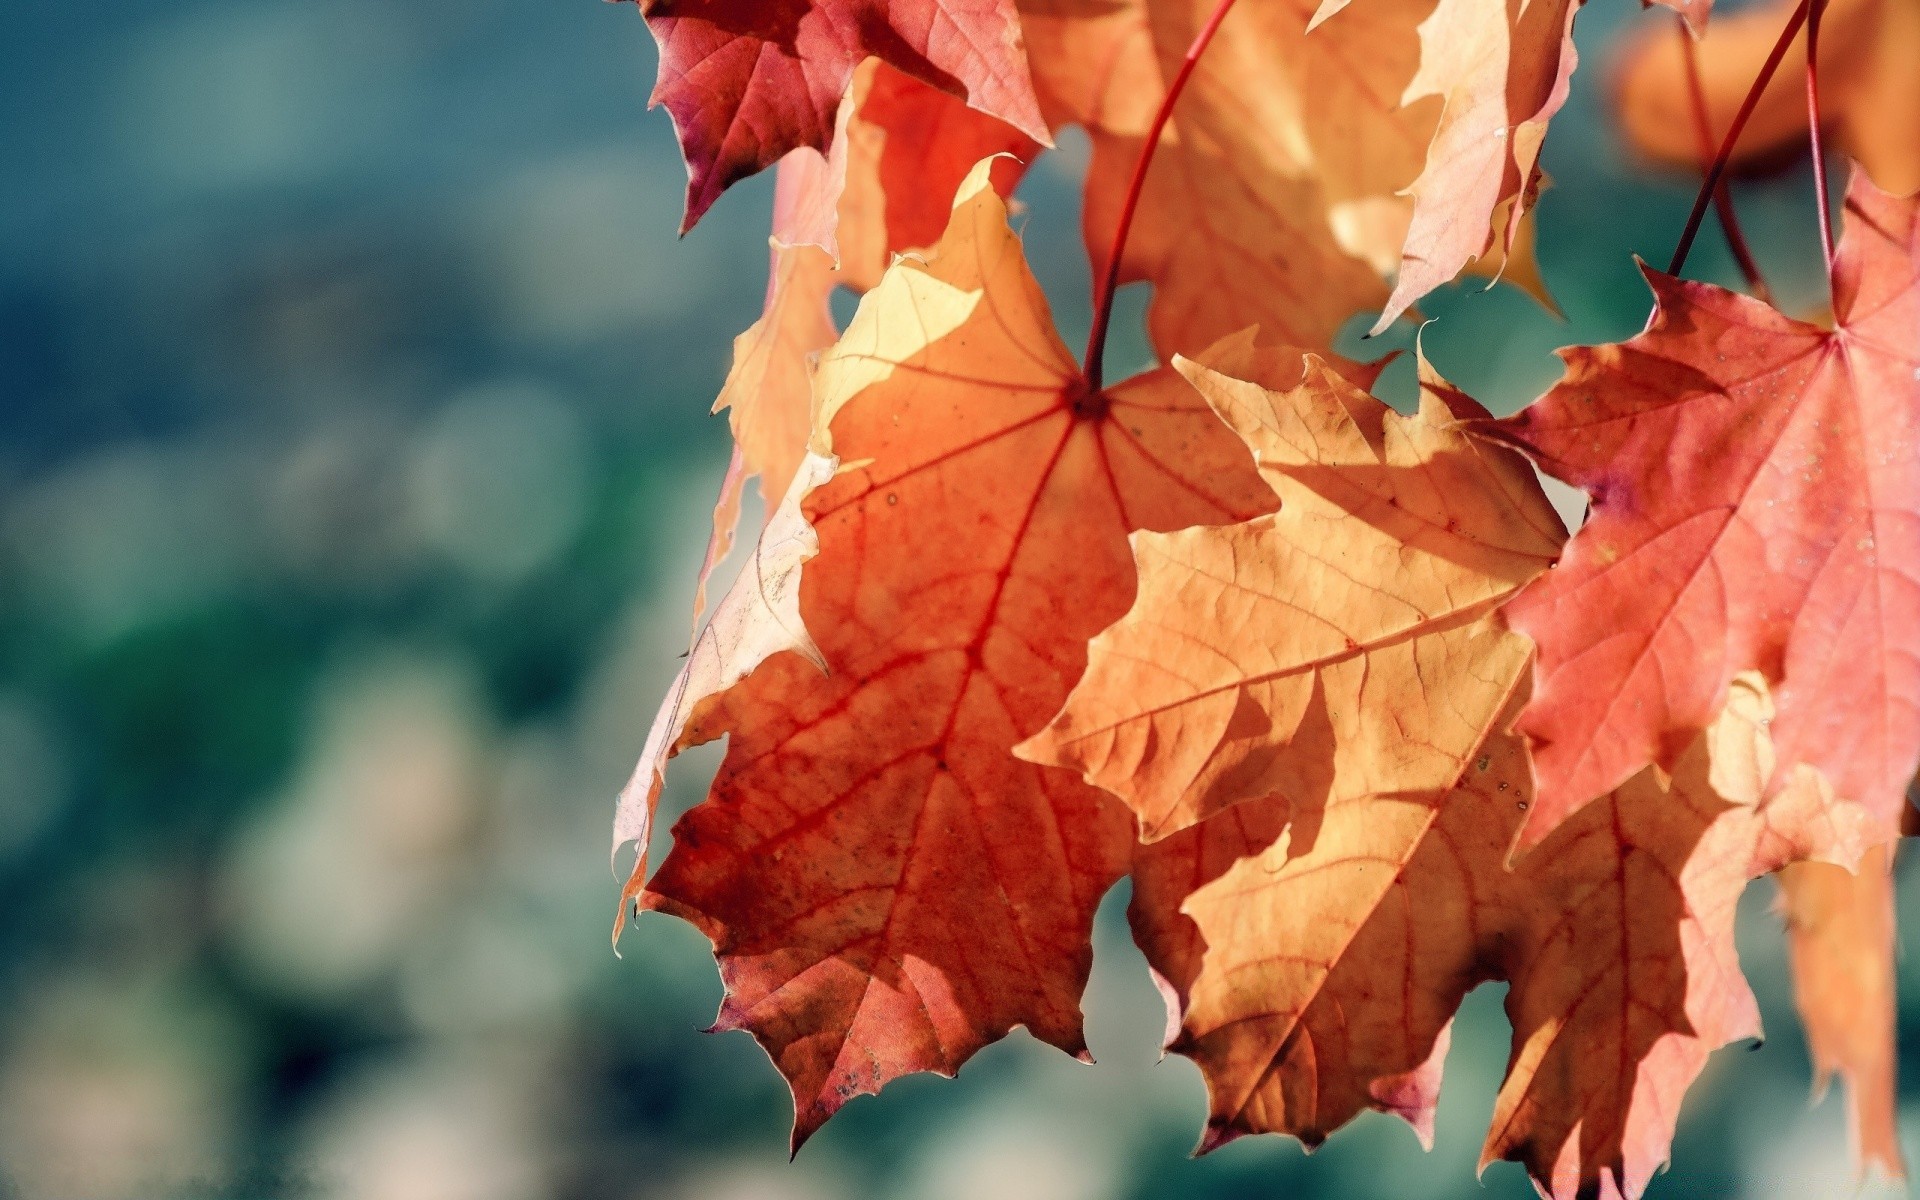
[{"x": 354, "y": 466}]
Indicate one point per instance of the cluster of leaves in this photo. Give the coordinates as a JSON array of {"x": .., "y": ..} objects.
[{"x": 1331, "y": 683}]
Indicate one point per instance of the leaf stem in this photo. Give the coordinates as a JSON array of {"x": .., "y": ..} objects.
[
  {"x": 1722, "y": 195},
  {"x": 1816, "y": 7},
  {"x": 1110, "y": 278},
  {"x": 1719, "y": 165}
]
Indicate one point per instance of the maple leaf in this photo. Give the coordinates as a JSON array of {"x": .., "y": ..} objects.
[
  {"x": 892, "y": 129},
  {"x": 1755, "y": 488},
  {"x": 1277, "y": 194},
  {"x": 1869, "y": 93},
  {"x": 1344, "y": 645},
  {"x": 887, "y": 888},
  {"x": 1503, "y": 71},
  {"x": 899, "y": 150},
  {"x": 1840, "y": 928},
  {"x": 1336, "y": 955},
  {"x": 746, "y": 81},
  {"x": 909, "y": 146},
  {"x": 1166, "y": 873},
  {"x": 1271, "y": 197},
  {"x": 1316, "y": 718}
]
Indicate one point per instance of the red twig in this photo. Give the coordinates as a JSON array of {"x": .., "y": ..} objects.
[
  {"x": 1719, "y": 164},
  {"x": 1813, "y": 129},
  {"x": 1110, "y": 280},
  {"x": 1722, "y": 195}
]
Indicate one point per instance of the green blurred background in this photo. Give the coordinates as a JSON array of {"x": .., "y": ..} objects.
[{"x": 354, "y": 465}]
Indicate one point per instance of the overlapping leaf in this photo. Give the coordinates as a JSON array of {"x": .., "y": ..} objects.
[
  {"x": 768, "y": 391},
  {"x": 1337, "y": 954},
  {"x": 1503, "y": 71},
  {"x": 887, "y": 887},
  {"x": 908, "y": 148},
  {"x": 900, "y": 150},
  {"x": 1279, "y": 192},
  {"x": 758, "y": 618},
  {"x": 1271, "y": 196},
  {"x": 746, "y": 81},
  {"x": 768, "y": 394},
  {"x": 1755, "y": 484},
  {"x": 1347, "y": 644}
]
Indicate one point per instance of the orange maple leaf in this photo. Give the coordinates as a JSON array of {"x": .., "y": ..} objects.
[
  {"x": 887, "y": 888},
  {"x": 1336, "y": 956},
  {"x": 1271, "y": 198},
  {"x": 1345, "y": 645},
  {"x": 1755, "y": 484},
  {"x": 1307, "y": 141}
]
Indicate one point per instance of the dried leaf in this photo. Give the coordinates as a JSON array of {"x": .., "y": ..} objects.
[
  {"x": 726, "y": 527},
  {"x": 1272, "y": 197},
  {"x": 758, "y": 618},
  {"x": 887, "y": 888},
  {"x": 1755, "y": 484},
  {"x": 1344, "y": 646},
  {"x": 1503, "y": 72},
  {"x": 1336, "y": 956},
  {"x": 746, "y": 81}
]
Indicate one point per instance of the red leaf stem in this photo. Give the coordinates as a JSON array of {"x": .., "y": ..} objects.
[
  {"x": 1719, "y": 165},
  {"x": 1722, "y": 195},
  {"x": 1813, "y": 131},
  {"x": 1110, "y": 280}
]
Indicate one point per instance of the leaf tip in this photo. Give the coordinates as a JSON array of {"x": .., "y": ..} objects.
[{"x": 1217, "y": 1134}]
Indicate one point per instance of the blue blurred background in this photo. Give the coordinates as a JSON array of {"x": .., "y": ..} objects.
[{"x": 354, "y": 465}]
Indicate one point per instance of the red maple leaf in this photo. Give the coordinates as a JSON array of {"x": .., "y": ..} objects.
[
  {"x": 748, "y": 80},
  {"x": 1755, "y": 483}
]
